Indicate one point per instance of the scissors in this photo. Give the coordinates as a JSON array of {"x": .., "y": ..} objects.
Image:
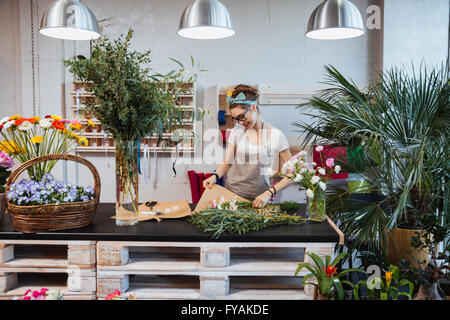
[{"x": 151, "y": 205}]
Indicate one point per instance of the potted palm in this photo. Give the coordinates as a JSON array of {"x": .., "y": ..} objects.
[{"x": 401, "y": 123}]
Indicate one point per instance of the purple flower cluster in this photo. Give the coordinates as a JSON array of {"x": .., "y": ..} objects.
[
  {"x": 47, "y": 191},
  {"x": 6, "y": 162}
]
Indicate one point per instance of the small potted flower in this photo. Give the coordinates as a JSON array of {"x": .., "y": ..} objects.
[
  {"x": 43, "y": 294},
  {"x": 327, "y": 282},
  {"x": 117, "y": 295},
  {"x": 313, "y": 179},
  {"x": 389, "y": 289},
  {"x": 6, "y": 163}
]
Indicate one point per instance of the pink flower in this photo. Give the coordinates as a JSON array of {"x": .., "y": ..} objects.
[
  {"x": 27, "y": 292},
  {"x": 330, "y": 162},
  {"x": 44, "y": 291},
  {"x": 213, "y": 204},
  {"x": 36, "y": 294},
  {"x": 26, "y": 298},
  {"x": 6, "y": 161}
]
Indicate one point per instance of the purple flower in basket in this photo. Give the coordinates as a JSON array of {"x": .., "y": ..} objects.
[
  {"x": 6, "y": 162},
  {"x": 47, "y": 191}
]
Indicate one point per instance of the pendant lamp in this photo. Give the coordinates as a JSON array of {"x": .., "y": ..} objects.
[
  {"x": 335, "y": 19},
  {"x": 205, "y": 19},
  {"x": 69, "y": 20}
]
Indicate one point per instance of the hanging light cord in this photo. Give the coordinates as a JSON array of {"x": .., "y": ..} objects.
[{"x": 33, "y": 66}]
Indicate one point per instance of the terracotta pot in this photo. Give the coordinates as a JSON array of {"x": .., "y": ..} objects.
[
  {"x": 399, "y": 247},
  {"x": 318, "y": 296}
]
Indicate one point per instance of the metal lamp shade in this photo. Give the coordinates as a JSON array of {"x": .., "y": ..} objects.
[
  {"x": 206, "y": 19},
  {"x": 69, "y": 20},
  {"x": 335, "y": 19}
]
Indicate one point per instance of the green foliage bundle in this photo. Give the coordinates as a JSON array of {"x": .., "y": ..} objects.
[
  {"x": 241, "y": 220},
  {"x": 131, "y": 101}
]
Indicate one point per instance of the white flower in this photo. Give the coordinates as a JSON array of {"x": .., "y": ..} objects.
[
  {"x": 51, "y": 295},
  {"x": 5, "y": 119},
  {"x": 8, "y": 124},
  {"x": 313, "y": 164},
  {"x": 309, "y": 193},
  {"x": 312, "y": 171},
  {"x": 322, "y": 171},
  {"x": 337, "y": 168},
  {"x": 323, "y": 185},
  {"x": 24, "y": 126},
  {"x": 287, "y": 166},
  {"x": 45, "y": 123},
  {"x": 319, "y": 148},
  {"x": 315, "y": 179},
  {"x": 298, "y": 178},
  {"x": 303, "y": 170}
]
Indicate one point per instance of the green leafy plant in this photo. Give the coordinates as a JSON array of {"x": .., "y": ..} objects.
[
  {"x": 131, "y": 102},
  {"x": 328, "y": 280},
  {"x": 401, "y": 124},
  {"x": 390, "y": 289}
]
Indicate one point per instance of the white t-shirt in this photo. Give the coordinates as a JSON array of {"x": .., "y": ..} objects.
[{"x": 267, "y": 154}]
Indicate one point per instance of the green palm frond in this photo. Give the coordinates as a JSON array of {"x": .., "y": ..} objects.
[{"x": 402, "y": 124}]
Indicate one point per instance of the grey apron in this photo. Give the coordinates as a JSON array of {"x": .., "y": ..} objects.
[{"x": 247, "y": 179}]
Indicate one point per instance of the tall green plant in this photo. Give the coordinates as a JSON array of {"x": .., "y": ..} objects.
[
  {"x": 131, "y": 100},
  {"x": 402, "y": 123}
]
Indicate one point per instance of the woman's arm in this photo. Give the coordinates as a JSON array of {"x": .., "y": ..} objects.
[
  {"x": 223, "y": 168},
  {"x": 261, "y": 200}
]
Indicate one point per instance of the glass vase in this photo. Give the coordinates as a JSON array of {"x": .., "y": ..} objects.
[
  {"x": 316, "y": 206},
  {"x": 127, "y": 182}
]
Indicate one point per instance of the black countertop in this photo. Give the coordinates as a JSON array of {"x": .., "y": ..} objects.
[{"x": 103, "y": 228}]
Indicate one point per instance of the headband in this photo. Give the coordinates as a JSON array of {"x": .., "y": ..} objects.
[{"x": 240, "y": 99}]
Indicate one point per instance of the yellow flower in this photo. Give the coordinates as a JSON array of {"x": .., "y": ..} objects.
[
  {"x": 76, "y": 126},
  {"x": 82, "y": 141},
  {"x": 37, "y": 139},
  {"x": 14, "y": 117},
  {"x": 9, "y": 147},
  {"x": 91, "y": 123},
  {"x": 388, "y": 278},
  {"x": 56, "y": 117}
]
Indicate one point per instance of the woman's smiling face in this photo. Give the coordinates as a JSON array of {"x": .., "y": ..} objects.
[{"x": 243, "y": 115}]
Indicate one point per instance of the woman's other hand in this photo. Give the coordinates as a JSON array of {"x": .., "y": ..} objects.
[
  {"x": 210, "y": 182},
  {"x": 262, "y": 199}
]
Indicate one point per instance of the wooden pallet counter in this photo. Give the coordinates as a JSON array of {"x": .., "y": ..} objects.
[{"x": 173, "y": 260}]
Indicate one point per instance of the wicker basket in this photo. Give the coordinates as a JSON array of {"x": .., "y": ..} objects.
[{"x": 53, "y": 217}]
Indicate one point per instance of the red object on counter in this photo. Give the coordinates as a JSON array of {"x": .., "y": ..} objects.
[
  {"x": 201, "y": 178},
  {"x": 195, "y": 190},
  {"x": 338, "y": 153}
]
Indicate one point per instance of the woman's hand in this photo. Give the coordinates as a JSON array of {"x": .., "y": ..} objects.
[
  {"x": 210, "y": 182},
  {"x": 262, "y": 199}
]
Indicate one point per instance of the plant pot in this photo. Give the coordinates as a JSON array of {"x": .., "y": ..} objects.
[
  {"x": 428, "y": 292},
  {"x": 399, "y": 247},
  {"x": 318, "y": 296}
]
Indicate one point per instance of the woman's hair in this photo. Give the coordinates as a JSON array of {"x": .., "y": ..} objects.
[{"x": 251, "y": 93}]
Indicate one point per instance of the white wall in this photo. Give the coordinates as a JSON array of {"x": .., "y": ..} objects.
[
  {"x": 268, "y": 48},
  {"x": 415, "y": 31}
]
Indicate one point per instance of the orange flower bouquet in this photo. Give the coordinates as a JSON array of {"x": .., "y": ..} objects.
[{"x": 28, "y": 138}]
